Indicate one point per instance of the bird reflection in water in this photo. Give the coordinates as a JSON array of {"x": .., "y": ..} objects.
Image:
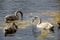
[{"x": 40, "y": 35}]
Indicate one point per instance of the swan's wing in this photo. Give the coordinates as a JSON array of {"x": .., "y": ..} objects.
[
  {"x": 9, "y": 16},
  {"x": 42, "y": 25}
]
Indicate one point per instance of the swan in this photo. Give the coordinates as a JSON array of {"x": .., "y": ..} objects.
[
  {"x": 13, "y": 17},
  {"x": 58, "y": 25},
  {"x": 43, "y": 25},
  {"x": 10, "y": 29}
]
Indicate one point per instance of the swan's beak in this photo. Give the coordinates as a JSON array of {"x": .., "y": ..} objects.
[{"x": 52, "y": 29}]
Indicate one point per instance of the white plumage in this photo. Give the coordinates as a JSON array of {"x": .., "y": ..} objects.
[{"x": 43, "y": 25}]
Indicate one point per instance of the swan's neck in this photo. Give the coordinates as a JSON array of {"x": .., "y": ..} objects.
[
  {"x": 16, "y": 13},
  {"x": 21, "y": 15},
  {"x": 40, "y": 21},
  {"x": 14, "y": 25}
]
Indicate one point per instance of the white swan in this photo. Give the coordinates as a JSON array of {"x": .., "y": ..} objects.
[
  {"x": 43, "y": 25},
  {"x": 13, "y": 17},
  {"x": 10, "y": 29}
]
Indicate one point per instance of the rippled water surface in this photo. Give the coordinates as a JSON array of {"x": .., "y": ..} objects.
[{"x": 36, "y": 7}]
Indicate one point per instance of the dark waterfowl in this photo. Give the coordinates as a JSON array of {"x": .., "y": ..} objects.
[
  {"x": 58, "y": 25},
  {"x": 10, "y": 30},
  {"x": 13, "y": 17}
]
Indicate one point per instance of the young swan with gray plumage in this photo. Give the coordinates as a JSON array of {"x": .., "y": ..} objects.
[
  {"x": 10, "y": 29},
  {"x": 58, "y": 25},
  {"x": 43, "y": 25},
  {"x": 13, "y": 17}
]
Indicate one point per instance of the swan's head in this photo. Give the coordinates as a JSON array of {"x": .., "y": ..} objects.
[
  {"x": 34, "y": 19},
  {"x": 18, "y": 11}
]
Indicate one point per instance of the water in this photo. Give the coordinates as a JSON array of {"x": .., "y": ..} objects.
[
  {"x": 26, "y": 6},
  {"x": 36, "y": 7},
  {"x": 26, "y": 34}
]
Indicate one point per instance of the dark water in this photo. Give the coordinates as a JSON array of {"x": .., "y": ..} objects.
[{"x": 27, "y": 7}]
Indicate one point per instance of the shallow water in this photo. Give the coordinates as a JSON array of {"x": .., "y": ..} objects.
[{"x": 36, "y": 7}]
